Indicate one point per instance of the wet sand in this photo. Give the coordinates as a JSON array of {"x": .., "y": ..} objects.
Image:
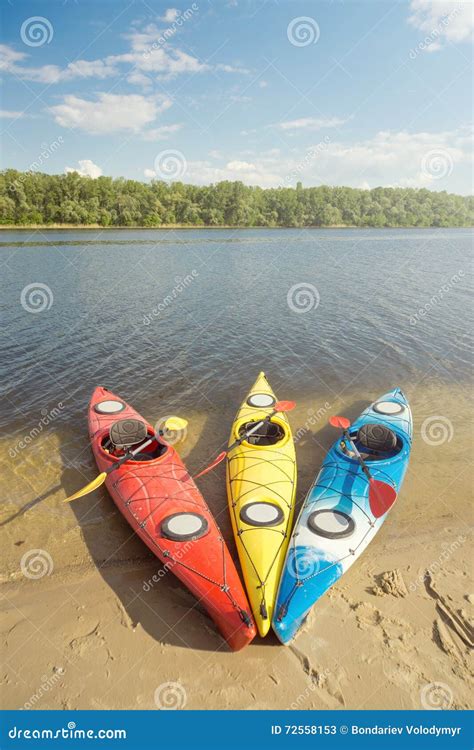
[{"x": 82, "y": 630}]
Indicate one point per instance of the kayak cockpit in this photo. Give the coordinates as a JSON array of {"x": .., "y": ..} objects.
[
  {"x": 268, "y": 433},
  {"x": 149, "y": 453},
  {"x": 128, "y": 435},
  {"x": 375, "y": 442}
]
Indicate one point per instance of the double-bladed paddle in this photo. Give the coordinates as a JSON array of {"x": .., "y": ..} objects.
[
  {"x": 279, "y": 407},
  {"x": 172, "y": 424},
  {"x": 381, "y": 495}
]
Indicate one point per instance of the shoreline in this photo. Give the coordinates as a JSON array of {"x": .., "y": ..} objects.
[
  {"x": 409, "y": 613},
  {"x": 28, "y": 227}
]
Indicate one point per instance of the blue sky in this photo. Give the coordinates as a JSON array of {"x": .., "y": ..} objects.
[{"x": 332, "y": 92}]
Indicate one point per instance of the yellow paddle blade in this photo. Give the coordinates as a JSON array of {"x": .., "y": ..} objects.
[
  {"x": 88, "y": 488},
  {"x": 175, "y": 424}
]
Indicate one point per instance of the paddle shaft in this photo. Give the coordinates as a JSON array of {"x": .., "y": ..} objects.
[
  {"x": 129, "y": 454},
  {"x": 358, "y": 456},
  {"x": 250, "y": 432},
  {"x": 241, "y": 439}
]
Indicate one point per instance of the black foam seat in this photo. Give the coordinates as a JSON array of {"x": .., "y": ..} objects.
[
  {"x": 127, "y": 432},
  {"x": 377, "y": 437}
]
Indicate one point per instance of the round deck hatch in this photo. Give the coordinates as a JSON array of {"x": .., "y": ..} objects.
[
  {"x": 109, "y": 407},
  {"x": 261, "y": 400},
  {"x": 332, "y": 524},
  {"x": 388, "y": 407},
  {"x": 182, "y": 527},
  {"x": 262, "y": 514}
]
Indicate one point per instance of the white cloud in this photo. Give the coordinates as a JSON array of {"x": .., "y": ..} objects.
[
  {"x": 149, "y": 173},
  {"x": 432, "y": 160},
  {"x": 89, "y": 69},
  {"x": 12, "y": 61},
  {"x": 109, "y": 112},
  {"x": 443, "y": 20},
  {"x": 140, "y": 79},
  {"x": 10, "y": 114},
  {"x": 170, "y": 15},
  {"x": 86, "y": 168},
  {"x": 232, "y": 69},
  {"x": 240, "y": 166},
  {"x": 258, "y": 173},
  {"x": 311, "y": 123},
  {"x": 161, "y": 133},
  {"x": 395, "y": 158},
  {"x": 10, "y": 57},
  {"x": 150, "y": 55}
]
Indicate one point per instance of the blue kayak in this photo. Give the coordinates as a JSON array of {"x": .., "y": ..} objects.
[{"x": 336, "y": 522}]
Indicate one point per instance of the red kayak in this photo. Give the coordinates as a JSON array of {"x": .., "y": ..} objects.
[{"x": 161, "y": 502}]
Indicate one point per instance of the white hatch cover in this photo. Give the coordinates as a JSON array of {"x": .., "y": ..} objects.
[
  {"x": 261, "y": 400},
  {"x": 262, "y": 514},
  {"x": 109, "y": 407},
  {"x": 183, "y": 526},
  {"x": 332, "y": 524},
  {"x": 388, "y": 407}
]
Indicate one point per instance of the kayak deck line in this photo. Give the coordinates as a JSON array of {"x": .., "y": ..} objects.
[
  {"x": 223, "y": 586},
  {"x": 241, "y": 531}
]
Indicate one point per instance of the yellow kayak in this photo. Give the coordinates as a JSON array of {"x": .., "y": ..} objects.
[{"x": 261, "y": 487}]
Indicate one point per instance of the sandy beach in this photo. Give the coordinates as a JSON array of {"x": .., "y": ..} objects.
[{"x": 395, "y": 632}]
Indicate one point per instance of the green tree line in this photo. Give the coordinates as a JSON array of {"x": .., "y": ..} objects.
[{"x": 38, "y": 198}]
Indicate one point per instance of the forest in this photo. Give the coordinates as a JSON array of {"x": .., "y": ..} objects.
[{"x": 28, "y": 198}]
